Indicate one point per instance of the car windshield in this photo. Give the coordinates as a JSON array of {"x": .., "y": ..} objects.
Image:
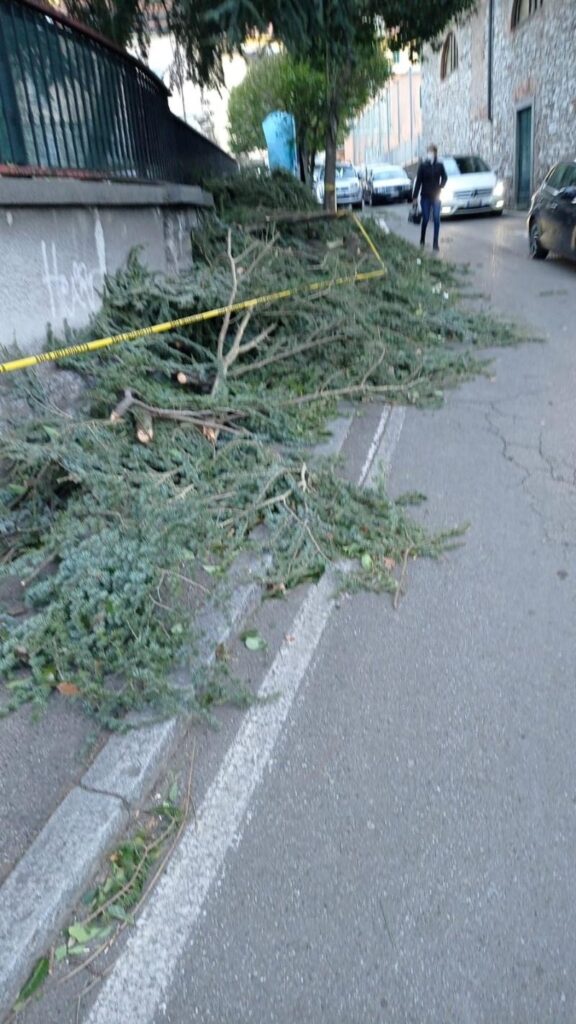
[
  {"x": 345, "y": 172},
  {"x": 384, "y": 173},
  {"x": 464, "y": 165}
]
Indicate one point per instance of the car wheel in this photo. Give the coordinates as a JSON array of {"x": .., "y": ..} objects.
[
  {"x": 358, "y": 206},
  {"x": 537, "y": 250}
]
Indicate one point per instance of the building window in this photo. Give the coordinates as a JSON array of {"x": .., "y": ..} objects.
[
  {"x": 522, "y": 9},
  {"x": 449, "y": 60}
]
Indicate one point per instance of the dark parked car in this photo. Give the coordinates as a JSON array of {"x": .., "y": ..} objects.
[{"x": 552, "y": 217}]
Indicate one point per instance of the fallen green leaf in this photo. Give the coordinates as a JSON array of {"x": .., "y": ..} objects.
[
  {"x": 78, "y": 932},
  {"x": 38, "y": 976},
  {"x": 253, "y": 641},
  {"x": 117, "y": 911},
  {"x": 367, "y": 562},
  {"x": 81, "y": 933},
  {"x": 60, "y": 953}
]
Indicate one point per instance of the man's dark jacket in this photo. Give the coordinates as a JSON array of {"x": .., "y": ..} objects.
[{"x": 431, "y": 178}]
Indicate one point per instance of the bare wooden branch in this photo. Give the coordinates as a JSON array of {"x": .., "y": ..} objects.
[
  {"x": 372, "y": 369},
  {"x": 122, "y": 407},
  {"x": 225, "y": 359},
  {"x": 226, "y": 319},
  {"x": 235, "y": 349},
  {"x": 239, "y": 350},
  {"x": 203, "y": 419},
  {"x": 286, "y": 353}
]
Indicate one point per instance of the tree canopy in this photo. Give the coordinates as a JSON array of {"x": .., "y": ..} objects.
[
  {"x": 122, "y": 21},
  {"x": 282, "y": 82},
  {"x": 207, "y": 30},
  {"x": 340, "y": 39},
  {"x": 277, "y": 82}
]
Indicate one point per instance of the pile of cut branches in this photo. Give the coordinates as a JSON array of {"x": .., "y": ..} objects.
[{"x": 187, "y": 441}]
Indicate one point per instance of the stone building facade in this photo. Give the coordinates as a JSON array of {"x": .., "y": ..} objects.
[{"x": 502, "y": 84}]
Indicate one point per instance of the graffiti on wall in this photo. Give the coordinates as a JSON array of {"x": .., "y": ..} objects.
[{"x": 74, "y": 293}]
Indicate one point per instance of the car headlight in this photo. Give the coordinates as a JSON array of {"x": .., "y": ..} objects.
[{"x": 498, "y": 190}]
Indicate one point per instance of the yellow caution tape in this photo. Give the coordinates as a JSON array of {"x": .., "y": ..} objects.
[
  {"x": 194, "y": 318},
  {"x": 361, "y": 227}
]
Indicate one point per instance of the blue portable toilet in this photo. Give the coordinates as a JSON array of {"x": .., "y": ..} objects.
[{"x": 280, "y": 133}]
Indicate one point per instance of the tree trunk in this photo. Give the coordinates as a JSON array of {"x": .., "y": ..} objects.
[
  {"x": 312, "y": 166},
  {"x": 330, "y": 165},
  {"x": 304, "y": 164}
]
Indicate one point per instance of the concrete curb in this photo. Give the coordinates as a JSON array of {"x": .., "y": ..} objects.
[{"x": 40, "y": 892}]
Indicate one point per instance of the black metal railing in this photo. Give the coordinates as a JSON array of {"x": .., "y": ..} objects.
[{"x": 71, "y": 101}]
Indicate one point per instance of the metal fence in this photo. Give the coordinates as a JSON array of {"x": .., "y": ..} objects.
[{"x": 71, "y": 101}]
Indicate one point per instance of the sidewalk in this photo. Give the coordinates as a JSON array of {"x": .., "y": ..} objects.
[
  {"x": 68, "y": 791},
  {"x": 57, "y": 750},
  {"x": 408, "y": 855}
]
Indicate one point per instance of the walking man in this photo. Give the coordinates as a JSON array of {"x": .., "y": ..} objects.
[{"x": 430, "y": 181}]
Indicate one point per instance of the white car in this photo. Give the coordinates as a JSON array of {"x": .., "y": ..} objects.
[
  {"x": 389, "y": 183},
  {"x": 471, "y": 187},
  {"x": 349, "y": 190}
]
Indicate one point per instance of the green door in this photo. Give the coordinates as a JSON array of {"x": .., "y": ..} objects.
[{"x": 524, "y": 157}]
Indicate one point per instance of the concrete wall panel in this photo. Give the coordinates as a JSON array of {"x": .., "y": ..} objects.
[{"x": 54, "y": 258}]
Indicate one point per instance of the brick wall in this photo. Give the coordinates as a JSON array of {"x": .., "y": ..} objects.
[{"x": 532, "y": 64}]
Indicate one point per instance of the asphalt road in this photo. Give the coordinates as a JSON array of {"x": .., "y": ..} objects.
[{"x": 405, "y": 853}]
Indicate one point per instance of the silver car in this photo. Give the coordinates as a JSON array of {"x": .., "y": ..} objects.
[
  {"x": 349, "y": 190},
  {"x": 471, "y": 187}
]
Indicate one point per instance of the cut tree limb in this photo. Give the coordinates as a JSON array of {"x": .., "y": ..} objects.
[
  {"x": 123, "y": 406},
  {"x": 144, "y": 424},
  {"x": 202, "y": 419}
]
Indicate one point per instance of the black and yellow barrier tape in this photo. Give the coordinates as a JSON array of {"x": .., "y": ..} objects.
[{"x": 361, "y": 228}]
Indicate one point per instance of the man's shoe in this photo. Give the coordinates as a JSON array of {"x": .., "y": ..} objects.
[
  {"x": 436, "y": 248},
  {"x": 422, "y": 244}
]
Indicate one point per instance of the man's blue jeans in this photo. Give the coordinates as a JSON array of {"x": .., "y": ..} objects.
[{"x": 430, "y": 206}]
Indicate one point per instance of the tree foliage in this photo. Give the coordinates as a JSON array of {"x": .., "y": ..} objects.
[
  {"x": 283, "y": 82},
  {"x": 208, "y": 31},
  {"x": 340, "y": 39},
  {"x": 122, "y": 21},
  {"x": 278, "y": 82}
]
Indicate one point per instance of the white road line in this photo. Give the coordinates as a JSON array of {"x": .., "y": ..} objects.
[
  {"x": 138, "y": 986},
  {"x": 374, "y": 446},
  {"x": 390, "y": 440}
]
